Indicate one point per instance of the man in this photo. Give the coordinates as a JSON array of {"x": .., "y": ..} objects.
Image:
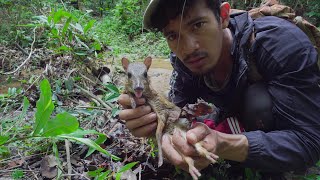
[{"x": 211, "y": 57}]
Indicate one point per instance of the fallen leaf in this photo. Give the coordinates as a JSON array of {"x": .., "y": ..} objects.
[{"x": 48, "y": 167}]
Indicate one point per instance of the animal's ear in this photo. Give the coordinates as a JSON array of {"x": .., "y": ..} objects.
[
  {"x": 125, "y": 63},
  {"x": 148, "y": 62}
]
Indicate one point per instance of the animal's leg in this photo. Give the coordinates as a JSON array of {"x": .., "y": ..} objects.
[
  {"x": 203, "y": 152},
  {"x": 133, "y": 102},
  {"x": 159, "y": 131},
  {"x": 194, "y": 172}
]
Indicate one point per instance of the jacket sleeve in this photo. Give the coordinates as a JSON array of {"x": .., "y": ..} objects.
[
  {"x": 181, "y": 89},
  {"x": 289, "y": 64}
]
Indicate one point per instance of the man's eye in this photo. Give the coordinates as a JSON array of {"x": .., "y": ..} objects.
[
  {"x": 198, "y": 25},
  {"x": 172, "y": 37}
]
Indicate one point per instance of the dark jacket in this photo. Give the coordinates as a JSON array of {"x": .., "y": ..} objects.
[{"x": 288, "y": 63}]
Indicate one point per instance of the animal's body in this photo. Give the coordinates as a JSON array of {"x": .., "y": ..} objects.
[{"x": 138, "y": 85}]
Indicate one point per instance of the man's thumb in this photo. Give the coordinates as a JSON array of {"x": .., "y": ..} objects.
[{"x": 198, "y": 132}]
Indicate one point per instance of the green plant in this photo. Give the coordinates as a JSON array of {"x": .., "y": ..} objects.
[
  {"x": 66, "y": 35},
  {"x": 112, "y": 95},
  {"x": 125, "y": 168},
  {"x": 62, "y": 126},
  {"x": 17, "y": 174}
]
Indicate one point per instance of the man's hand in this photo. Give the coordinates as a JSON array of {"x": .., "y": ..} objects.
[
  {"x": 175, "y": 147},
  {"x": 141, "y": 121},
  {"x": 227, "y": 146}
]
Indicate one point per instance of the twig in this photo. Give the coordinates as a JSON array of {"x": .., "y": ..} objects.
[
  {"x": 63, "y": 5},
  {"x": 21, "y": 49},
  {"x": 85, "y": 77},
  {"x": 32, "y": 83},
  {"x": 81, "y": 175},
  {"x": 24, "y": 161},
  {"x": 19, "y": 157},
  {"x": 68, "y": 157},
  {"x": 91, "y": 107},
  {"x": 95, "y": 97},
  {"x": 28, "y": 58},
  {"x": 4, "y": 171}
]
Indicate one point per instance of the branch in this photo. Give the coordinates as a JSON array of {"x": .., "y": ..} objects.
[
  {"x": 68, "y": 157},
  {"x": 95, "y": 97},
  {"x": 28, "y": 58}
]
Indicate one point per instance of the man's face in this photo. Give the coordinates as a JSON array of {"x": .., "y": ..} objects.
[{"x": 199, "y": 43}]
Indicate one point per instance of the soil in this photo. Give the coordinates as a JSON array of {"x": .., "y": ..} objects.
[{"x": 160, "y": 73}]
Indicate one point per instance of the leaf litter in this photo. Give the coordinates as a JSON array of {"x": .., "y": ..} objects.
[{"x": 36, "y": 159}]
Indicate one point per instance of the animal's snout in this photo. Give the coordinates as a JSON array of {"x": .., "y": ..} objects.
[
  {"x": 138, "y": 91},
  {"x": 138, "y": 88}
]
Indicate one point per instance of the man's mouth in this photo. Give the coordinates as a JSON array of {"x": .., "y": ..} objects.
[{"x": 195, "y": 60}]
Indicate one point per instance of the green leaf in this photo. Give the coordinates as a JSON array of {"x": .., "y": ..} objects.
[
  {"x": 318, "y": 164},
  {"x": 90, "y": 143},
  {"x": 78, "y": 27},
  {"x": 104, "y": 175},
  {"x": 89, "y": 25},
  {"x": 17, "y": 174},
  {"x": 115, "y": 112},
  {"x": 63, "y": 49},
  {"x": 64, "y": 123},
  {"x": 59, "y": 15},
  {"x": 96, "y": 45},
  {"x": 112, "y": 88},
  {"x": 69, "y": 84},
  {"x": 26, "y": 105},
  {"x": 81, "y": 53},
  {"x": 79, "y": 133},
  {"x": 66, "y": 26},
  {"x": 125, "y": 168},
  {"x": 44, "y": 107},
  {"x": 56, "y": 154},
  {"x": 95, "y": 173},
  {"x": 111, "y": 97},
  {"x": 3, "y": 139},
  {"x": 4, "y": 151},
  {"x": 101, "y": 139}
]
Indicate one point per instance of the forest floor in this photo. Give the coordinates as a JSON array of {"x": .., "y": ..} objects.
[{"x": 36, "y": 159}]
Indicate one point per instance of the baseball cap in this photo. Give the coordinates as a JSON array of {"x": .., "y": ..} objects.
[{"x": 151, "y": 8}]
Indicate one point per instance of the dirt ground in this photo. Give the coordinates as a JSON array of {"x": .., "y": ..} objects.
[{"x": 160, "y": 73}]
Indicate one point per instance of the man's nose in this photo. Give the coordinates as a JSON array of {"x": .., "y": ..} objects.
[{"x": 189, "y": 45}]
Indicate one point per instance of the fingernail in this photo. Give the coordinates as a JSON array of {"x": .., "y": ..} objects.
[{"x": 154, "y": 115}]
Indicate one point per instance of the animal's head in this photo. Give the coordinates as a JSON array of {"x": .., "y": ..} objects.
[{"x": 137, "y": 75}]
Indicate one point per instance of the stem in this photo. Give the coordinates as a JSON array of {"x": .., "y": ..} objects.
[{"x": 20, "y": 139}]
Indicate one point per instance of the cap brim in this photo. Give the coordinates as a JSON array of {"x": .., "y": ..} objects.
[{"x": 151, "y": 8}]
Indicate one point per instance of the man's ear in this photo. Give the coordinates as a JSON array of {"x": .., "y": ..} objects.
[
  {"x": 125, "y": 63},
  {"x": 148, "y": 62},
  {"x": 225, "y": 14}
]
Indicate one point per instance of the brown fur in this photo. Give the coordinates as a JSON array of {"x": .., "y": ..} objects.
[{"x": 162, "y": 107}]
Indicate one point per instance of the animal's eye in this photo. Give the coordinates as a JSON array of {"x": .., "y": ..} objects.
[
  {"x": 145, "y": 74},
  {"x": 129, "y": 75}
]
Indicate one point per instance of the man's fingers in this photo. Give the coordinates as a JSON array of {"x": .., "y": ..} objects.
[
  {"x": 145, "y": 131},
  {"x": 125, "y": 101},
  {"x": 128, "y": 114},
  {"x": 197, "y": 133},
  {"x": 181, "y": 144},
  {"x": 170, "y": 153},
  {"x": 141, "y": 121}
]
